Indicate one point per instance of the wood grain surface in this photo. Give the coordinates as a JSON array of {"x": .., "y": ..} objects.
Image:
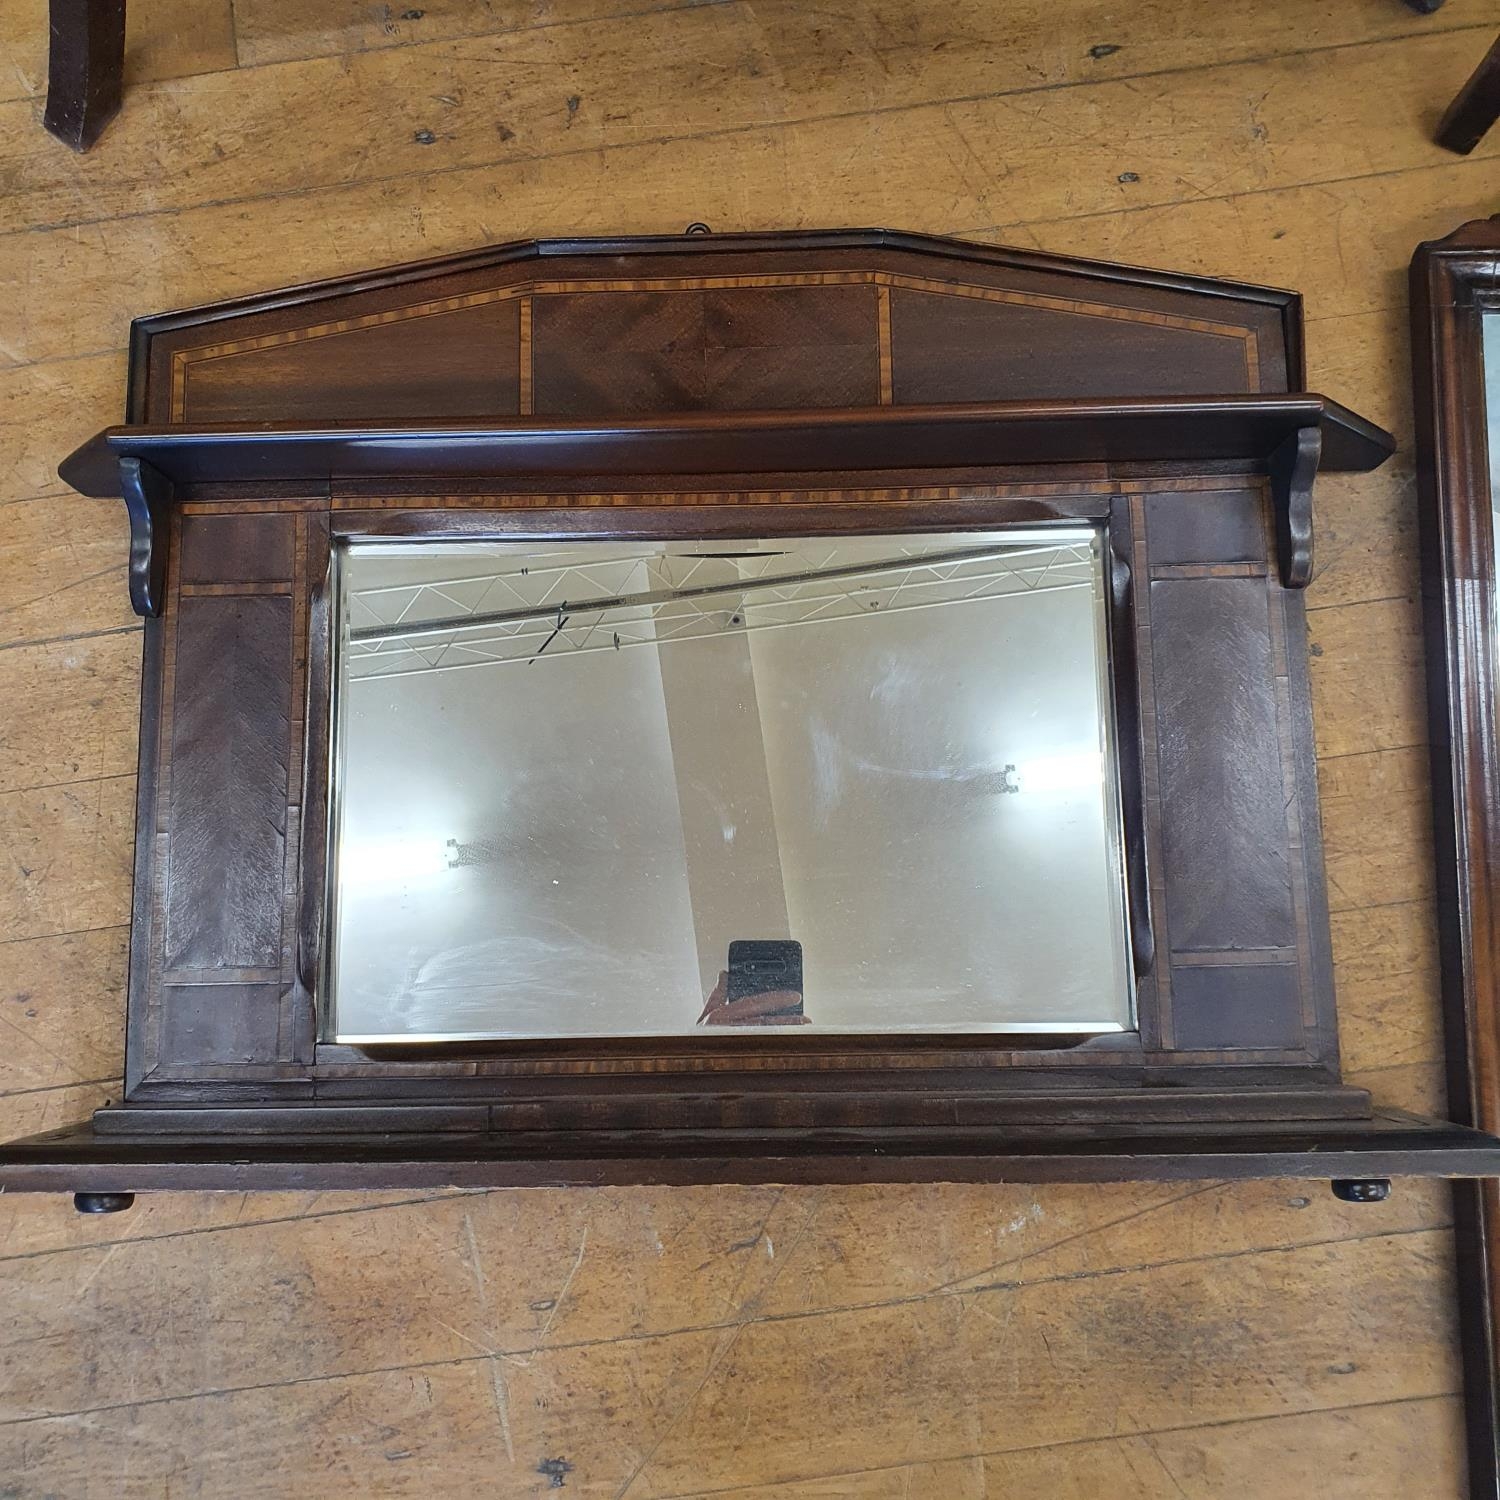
[{"x": 1256, "y": 1340}]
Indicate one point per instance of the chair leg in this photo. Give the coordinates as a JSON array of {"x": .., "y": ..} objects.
[
  {"x": 1476, "y": 108},
  {"x": 85, "y": 68}
]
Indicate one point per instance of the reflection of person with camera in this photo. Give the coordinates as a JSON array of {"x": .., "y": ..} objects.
[
  {"x": 768, "y": 1008},
  {"x": 761, "y": 987}
]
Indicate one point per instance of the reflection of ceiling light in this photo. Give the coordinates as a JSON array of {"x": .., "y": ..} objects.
[
  {"x": 392, "y": 862},
  {"x": 1073, "y": 771}
]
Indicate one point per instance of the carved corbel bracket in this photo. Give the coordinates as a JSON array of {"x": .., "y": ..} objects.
[
  {"x": 148, "y": 501},
  {"x": 1293, "y": 467}
]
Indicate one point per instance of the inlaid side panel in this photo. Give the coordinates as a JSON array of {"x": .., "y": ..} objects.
[
  {"x": 1244, "y": 953},
  {"x": 448, "y": 365},
  {"x": 964, "y": 349},
  {"x": 723, "y": 349},
  {"x": 227, "y": 789},
  {"x": 1237, "y": 1005},
  {"x": 1220, "y": 753},
  {"x": 254, "y": 548},
  {"x": 1210, "y": 528},
  {"x": 1247, "y": 956},
  {"x": 218, "y": 1024}
]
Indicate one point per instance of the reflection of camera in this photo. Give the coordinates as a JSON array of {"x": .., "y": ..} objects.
[{"x": 756, "y": 967}]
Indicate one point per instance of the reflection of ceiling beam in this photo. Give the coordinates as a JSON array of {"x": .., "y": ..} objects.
[
  {"x": 575, "y": 636},
  {"x": 654, "y": 597},
  {"x": 719, "y": 763}
]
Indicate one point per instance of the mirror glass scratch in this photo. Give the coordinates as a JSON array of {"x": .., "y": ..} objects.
[{"x": 609, "y": 789}]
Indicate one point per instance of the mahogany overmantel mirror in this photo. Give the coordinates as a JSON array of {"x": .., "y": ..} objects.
[
  {"x": 1455, "y": 299},
  {"x": 822, "y": 706}
]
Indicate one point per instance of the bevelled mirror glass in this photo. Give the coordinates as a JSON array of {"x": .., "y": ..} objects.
[{"x": 601, "y": 789}]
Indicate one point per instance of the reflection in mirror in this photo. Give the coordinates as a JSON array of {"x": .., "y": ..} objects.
[{"x": 641, "y": 789}]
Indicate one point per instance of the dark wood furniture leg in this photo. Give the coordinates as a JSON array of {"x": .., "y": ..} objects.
[
  {"x": 85, "y": 68},
  {"x": 1476, "y": 108}
]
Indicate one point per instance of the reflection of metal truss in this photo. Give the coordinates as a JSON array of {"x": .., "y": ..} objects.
[{"x": 643, "y": 600}]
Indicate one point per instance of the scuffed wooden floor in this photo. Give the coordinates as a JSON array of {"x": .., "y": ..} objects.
[{"x": 1059, "y": 1344}]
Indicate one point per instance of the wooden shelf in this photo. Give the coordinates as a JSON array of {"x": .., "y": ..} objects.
[
  {"x": 1157, "y": 429},
  {"x": 1291, "y": 436}
]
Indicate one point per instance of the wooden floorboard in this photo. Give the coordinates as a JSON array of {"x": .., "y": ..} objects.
[
  {"x": 1043, "y": 42},
  {"x": 716, "y": 72},
  {"x": 1385, "y": 1452},
  {"x": 1255, "y": 1340}
]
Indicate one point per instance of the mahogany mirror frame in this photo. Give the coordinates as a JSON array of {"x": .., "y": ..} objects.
[
  {"x": 937, "y": 350},
  {"x": 1455, "y": 281}
]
